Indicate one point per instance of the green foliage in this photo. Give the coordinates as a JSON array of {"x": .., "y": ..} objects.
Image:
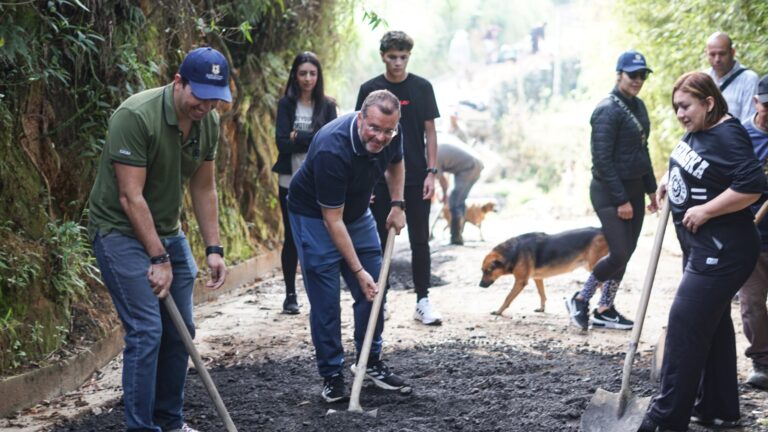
[
  {"x": 672, "y": 34},
  {"x": 72, "y": 263}
]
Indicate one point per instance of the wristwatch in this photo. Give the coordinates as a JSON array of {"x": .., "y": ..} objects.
[
  {"x": 432, "y": 170},
  {"x": 214, "y": 250},
  {"x": 398, "y": 203}
]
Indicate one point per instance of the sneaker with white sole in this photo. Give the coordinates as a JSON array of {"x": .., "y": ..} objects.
[
  {"x": 611, "y": 318},
  {"x": 578, "y": 311},
  {"x": 334, "y": 389},
  {"x": 426, "y": 314},
  {"x": 184, "y": 428},
  {"x": 381, "y": 376}
]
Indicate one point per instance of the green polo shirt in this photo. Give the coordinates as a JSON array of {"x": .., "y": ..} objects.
[{"x": 143, "y": 132}]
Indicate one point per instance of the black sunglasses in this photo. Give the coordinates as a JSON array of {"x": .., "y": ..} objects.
[{"x": 642, "y": 74}]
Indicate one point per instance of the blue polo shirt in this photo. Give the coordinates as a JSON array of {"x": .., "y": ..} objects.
[{"x": 339, "y": 171}]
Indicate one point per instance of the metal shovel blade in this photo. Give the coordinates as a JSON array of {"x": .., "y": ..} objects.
[{"x": 603, "y": 413}]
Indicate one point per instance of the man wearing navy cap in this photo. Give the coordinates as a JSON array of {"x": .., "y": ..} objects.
[{"x": 156, "y": 141}]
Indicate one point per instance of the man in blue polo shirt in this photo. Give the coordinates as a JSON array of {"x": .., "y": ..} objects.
[{"x": 335, "y": 232}]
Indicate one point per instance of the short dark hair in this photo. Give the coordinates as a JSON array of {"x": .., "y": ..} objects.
[
  {"x": 384, "y": 100},
  {"x": 701, "y": 86},
  {"x": 397, "y": 40}
]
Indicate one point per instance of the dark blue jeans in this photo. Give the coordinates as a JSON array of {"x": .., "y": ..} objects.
[
  {"x": 154, "y": 358},
  {"x": 321, "y": 264}
]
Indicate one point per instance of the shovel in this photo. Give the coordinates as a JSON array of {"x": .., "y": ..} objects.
[
  {"x": 622, "y": 412},
  {"x": 658, "y": 349},
  {"x": 178, "y": 322},
  {"x": 362, "y": 361}
]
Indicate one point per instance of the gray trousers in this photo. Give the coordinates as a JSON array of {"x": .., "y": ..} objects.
[{"x": 754, "y": 314}]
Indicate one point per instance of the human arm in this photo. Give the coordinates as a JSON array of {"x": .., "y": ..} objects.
[
  {"x": 302, "y": 139},
  {"x": 729, "y": 201},
  {"x": 605, "y": 134},
  {"x": 285, "y": 136},
  {"x": 431, "y": 136},
  {"x": 130, "y": 184},
  {"x": 395, "y": 177},
  {"x": 202, "y": 188},
  {"x": 334, "y": 223}
]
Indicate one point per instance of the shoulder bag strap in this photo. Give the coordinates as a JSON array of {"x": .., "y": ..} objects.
[{"x": 731, "y": 78}]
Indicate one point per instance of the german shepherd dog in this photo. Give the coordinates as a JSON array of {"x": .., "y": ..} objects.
[{"x": 538, "y": 255}]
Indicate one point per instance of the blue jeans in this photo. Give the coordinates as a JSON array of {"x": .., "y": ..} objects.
[
  {"x": 321, "y": 264},
  {"x": 154, "y": 358}
]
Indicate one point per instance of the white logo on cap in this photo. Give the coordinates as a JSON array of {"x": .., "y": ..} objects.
[
  {"x": 638, "y": 58},
  {"x": 215, "y": 69}
]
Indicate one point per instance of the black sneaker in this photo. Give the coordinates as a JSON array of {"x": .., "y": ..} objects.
[
  {"x": 611, "y": 318},
  {"x": 334, "y": 389},
  {"x": 648, "y": 425},
  {"x": 378, "y": 372},
  {"x": 579, "y": 311},
  {"x": 290, "y": 305}
]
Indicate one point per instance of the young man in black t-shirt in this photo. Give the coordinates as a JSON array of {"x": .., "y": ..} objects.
[{"x": 418, "y": 113}]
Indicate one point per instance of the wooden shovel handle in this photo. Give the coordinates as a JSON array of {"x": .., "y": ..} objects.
[{"x": 362, "y": 361}]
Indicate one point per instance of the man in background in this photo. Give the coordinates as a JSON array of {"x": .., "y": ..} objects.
[
  {"x": 737, "y": 83},
  {"x": 418, "y": 113}
]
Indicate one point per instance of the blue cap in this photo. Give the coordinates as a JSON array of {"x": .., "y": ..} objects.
[
  {"x": 762, "y": 90},
  {"x": 208, "y": 74},
  {"x": 631, "y": 61}
]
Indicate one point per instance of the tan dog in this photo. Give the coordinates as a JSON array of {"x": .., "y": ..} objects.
[
  {"x": 475, "y": 214},
  {"x": 538, "y": 255}
]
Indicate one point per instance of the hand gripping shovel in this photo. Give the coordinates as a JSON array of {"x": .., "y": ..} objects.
[
  {"x": 622, "y": 412},
  {"x": 658, "y": 349},
  {"x": 178, "y": 322},
  {"x": 362, "y": 361}
]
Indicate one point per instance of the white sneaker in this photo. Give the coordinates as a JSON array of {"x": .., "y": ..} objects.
[
  {"x": 184, "y": 428},
  {"x": 426, "y": 314}
]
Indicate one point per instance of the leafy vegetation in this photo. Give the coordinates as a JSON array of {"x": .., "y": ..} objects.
[{"x": 672, "y": 35}]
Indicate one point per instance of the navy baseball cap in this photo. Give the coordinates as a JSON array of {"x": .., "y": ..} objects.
[
  {"x": 631, "y": 61},
  {"x": 208, "y": 74},
  {"x": 762, "y": 90}
]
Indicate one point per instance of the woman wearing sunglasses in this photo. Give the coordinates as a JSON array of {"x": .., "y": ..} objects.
[
  {"x": 621, "y": 177},
  {"x": 300, "y": 113}
]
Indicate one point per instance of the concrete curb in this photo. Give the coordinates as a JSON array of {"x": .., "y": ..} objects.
[{"x": 26, "y": 390}]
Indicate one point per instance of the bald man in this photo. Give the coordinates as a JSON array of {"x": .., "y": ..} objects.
[{"x": 737, "y": 83}]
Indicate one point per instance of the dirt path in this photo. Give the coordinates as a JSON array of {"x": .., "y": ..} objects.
[{"x": 523, "y": 371}]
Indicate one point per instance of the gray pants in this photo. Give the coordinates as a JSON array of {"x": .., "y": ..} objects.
[
  {"x": 754, "y": 314},
  {"x": 462, "y": 184}
]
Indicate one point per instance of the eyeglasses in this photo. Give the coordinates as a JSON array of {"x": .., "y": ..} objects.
[
  {"x": 389, "y": 133},
  {"x": 642, "y": 74}
]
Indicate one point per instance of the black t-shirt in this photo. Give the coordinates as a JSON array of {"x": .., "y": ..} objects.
[
  {"x": 417, "y": 105},
  {"x": 706, "y": 163},
  {"x": 339, "y": 171}
]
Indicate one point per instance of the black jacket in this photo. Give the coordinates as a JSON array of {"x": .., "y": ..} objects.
[
  {"x": 286, "y": 114},
  {"x": 619, "y": 150}
]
